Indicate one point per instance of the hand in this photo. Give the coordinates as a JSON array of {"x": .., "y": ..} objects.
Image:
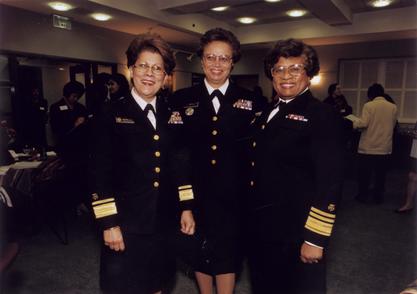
[
  {"x": 310, "y": 254},
  {"x": 114, "y": 239},
  {"x": 187, "y": 222},
  {"x": 78, "y": 121}
]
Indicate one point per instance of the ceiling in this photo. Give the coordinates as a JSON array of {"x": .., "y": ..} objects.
[{"x": 181, "y": 22}]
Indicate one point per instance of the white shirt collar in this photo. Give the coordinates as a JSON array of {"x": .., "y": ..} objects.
[
  {"x": 292, "y": 98},
  {"x": 142, "y": 102},
  {"x": 222, "y": 89}
]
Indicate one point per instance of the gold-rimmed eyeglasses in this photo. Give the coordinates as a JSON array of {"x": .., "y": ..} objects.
[
  {"x": 222, "y": 59},
  {"x": 293, "y": 70},
  {"x": 144, "y": 67}
]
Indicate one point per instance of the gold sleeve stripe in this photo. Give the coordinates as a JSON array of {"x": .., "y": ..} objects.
[
  {"x": 317, "y": 231},
  {"x": 184, "y": 187},
  {"x": 102, "y": 201},
  {"x": 317, "y": 216},
  {"x": 319, "y": 225},
  {"x": 321, "y": 212},
  {"x": 186, "y": 194},
  {"x": 104, "y": 210}
]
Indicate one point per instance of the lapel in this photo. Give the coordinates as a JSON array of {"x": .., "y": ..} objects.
[
  {"x": 137, "y": 114},
  {"x": 205, "y": 103},
  {"x": 226, "y": 104},
  {"x": 295, "y": 106}
]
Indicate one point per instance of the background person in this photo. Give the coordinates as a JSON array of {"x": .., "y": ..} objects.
[
  {"x": 215, "y": 116},
  {"x": 377, "y": 124},
  {"x": 118, "y": 87},
  {"x": 134, "y": 161},
  {"x": 297, "y": 174},
  {"x": 337, "y": 100}
]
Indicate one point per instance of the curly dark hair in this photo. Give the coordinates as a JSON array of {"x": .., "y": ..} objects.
[
  {"x": 292, "y": 48},
  {"x": 73, "y": 87},
  {"x": 152, "y": 43},
  {"x": 219, "y": 34}
]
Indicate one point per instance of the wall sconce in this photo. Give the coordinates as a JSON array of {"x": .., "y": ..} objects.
[{"x": 316, "y": 80}]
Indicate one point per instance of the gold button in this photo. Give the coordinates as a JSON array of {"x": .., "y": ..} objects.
[
  {"x": 156, "y": 184},
  {"x": 263, "y": 127},
  {"x": 156, "y": 137},
  {"x": 213, "y": 147},
  {"x": 157, "y": 170},
  {"x": 215, "y": 118},
  {"x": 213, "y": 161},
  {"x": 254, "y": 144},
  {"x": 252, "y": 183},
  {"x": 253, "y": 163},
  {"x": 157, "y": 154},
  {"x": 214, "y": 132}
]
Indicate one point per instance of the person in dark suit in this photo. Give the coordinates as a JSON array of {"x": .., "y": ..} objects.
[
  {"x": 215, "y": 116},
  {"x": 67, "y": 114},
  {"x": 337, "y": 100},
  {"x": 36, "y": 109},
  {"x": 135, "y": 163},
  {"x": 297, "y": 174}
]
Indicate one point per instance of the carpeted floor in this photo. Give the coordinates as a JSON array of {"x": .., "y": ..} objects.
[{"x": 373, "y": 251}]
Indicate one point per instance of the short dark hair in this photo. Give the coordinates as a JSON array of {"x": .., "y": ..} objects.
[
  {"x": 332, "y": 88},
  {"x": 219, "y": 34},
  {"x": 73, "y": 87},
  {"x": 121, "y": 81},
  {"x": 292, "y": 48},
  {"x": 152, "y": 43},
  {"x": 375, "y": 90}
]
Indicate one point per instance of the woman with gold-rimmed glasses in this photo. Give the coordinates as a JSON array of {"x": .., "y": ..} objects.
[
  {"x": 215, "y": 116},
  {"x": 297, "y": 174},
  {"x": 135, "y": 164}
]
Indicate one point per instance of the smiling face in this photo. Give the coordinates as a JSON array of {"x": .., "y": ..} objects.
[
  {"x": 217, "y": 71},
  {"x": 286, "y": 85},
  {"x": 145, "y": 82}
]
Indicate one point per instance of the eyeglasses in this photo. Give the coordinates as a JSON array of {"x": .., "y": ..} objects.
[
  {"x": 294, "y": 70},
  {"x": 144, "y": 67},
  {"x": 222, "y": 59}
]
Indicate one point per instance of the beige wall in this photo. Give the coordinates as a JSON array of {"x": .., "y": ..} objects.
[
  {"x": 252, "y": 61},
  {"x": 28, "y": 32}
]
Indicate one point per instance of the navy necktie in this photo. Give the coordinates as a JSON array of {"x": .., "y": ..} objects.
[
  {"x": 216, "y": 93},
  {"x": 148, "y": 108}
]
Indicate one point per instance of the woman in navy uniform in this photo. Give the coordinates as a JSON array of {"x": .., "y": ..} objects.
[
  {"x": 134, "y": 163},
  {"x": 297, "y": 174},
  {"x": 215, "y": 116}
]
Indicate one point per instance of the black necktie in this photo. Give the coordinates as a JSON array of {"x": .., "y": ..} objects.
[
  {"x": 148, "y": 108},
  {"x": 281, "y": 104},
  {"x": 216, "y": 93}
]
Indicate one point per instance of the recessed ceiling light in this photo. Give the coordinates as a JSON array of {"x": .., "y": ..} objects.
[
  {"x": 296, "y": 12},
  {"x": 60, "y": 6},
  {"x": 272, "y": 1},
  {"x": 100, "y": 16},
  {"x": 220, "y": 8},
  {"x": 246, "y": 20},
  {"x": 381, "y": 3}
]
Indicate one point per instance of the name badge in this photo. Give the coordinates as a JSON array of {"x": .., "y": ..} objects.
[
  {"x": 63, "y": 107},
  {"x": 122, "y": 120},
  {"x": 42, "y": 108}
]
